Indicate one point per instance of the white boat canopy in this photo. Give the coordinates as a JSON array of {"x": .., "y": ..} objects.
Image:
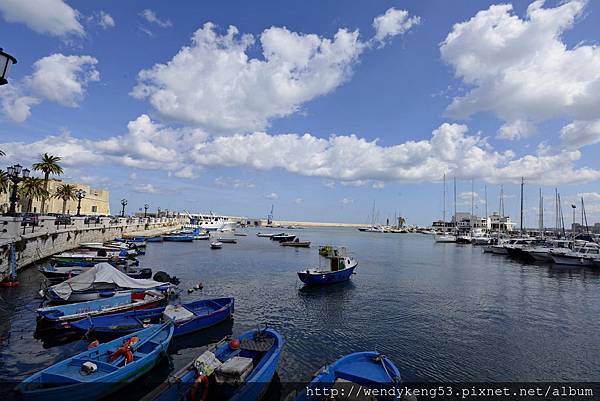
[{"x": 102, "y": 273}]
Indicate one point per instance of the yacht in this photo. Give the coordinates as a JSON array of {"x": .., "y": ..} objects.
[
  {"x": 542, "y": 253},
  {"x": 579, "y": 256}
]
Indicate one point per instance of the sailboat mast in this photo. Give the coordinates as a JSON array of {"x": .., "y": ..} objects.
[
  {"x": 472, "y": 205},
  {"x": 522, "y": 183},
  {"x": 444, "y": 216},
  {"x": 556, "y": 221},
  {"x": 541, "y": 221},
  {"x": 454, "y": 203}
]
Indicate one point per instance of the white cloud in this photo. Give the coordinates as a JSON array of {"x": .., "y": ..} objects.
[
  {"x": 349, "y": 159},
  {"x": 347, "y": 201},
  {"x": 215, "y": 84},
  {"x": 520, "y": 69},
  {"x": 57, "y": 78},
  {"x": 580, "y": 133},
  {"x": 298, "y": 201},
  {"x": 235, "y": 183},
  {"x": 53, "y": 17},
  {"x": 145, "y": 188},
  {"x": 62, "y": 79},
  {"x": 105, "y": 20},
  {"x": 393, "y": 22},
  {"x": 151, "y": 17},
  {"x": 272, "y": 196}
]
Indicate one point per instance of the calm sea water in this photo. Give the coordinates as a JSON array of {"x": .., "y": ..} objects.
[{"x": 442, "y": 312}]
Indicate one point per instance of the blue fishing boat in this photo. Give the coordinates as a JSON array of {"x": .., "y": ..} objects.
[
  {"x": 341, "y": 267},
  {"x": 361, "y": 371},
  {"x": 61, "y": 316},
  {"x": 158, "y": 238},
  {"x": 178, "y": 238},
  {"x": 100, "y": 371},
  {"x": 238, "y": 370},
  {"x": 188, "y": 318}
]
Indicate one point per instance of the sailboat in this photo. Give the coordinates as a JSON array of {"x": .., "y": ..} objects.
[{"x": 445, "y": 237}]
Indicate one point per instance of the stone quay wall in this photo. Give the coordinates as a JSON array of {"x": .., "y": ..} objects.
[{"x": 34, "y": 241}]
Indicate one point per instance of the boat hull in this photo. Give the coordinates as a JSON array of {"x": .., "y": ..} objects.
[
  {"x": 566, "y": 260},
  {"x": 63, "y": 381},
  {"x": 253, "y": 389},
  {"x": 324, "y": 278},
  {"x": 364, "y": 369},
  {"x": 217, "y": 310}
]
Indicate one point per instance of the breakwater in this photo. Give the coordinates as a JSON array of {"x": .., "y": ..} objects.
[{"x": 39, "y": 239}]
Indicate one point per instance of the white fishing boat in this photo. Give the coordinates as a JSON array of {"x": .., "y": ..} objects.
[
  {"x": 216, "y": 245},
  {"x": 542, "y": 253}
]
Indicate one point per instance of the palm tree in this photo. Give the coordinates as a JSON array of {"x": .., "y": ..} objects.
[
  {"x": 3, "y": 182},
  {"x": 32, "y": 188},
  {"x": 66, "y": 192},
  {"x": 49, "y": 165}
]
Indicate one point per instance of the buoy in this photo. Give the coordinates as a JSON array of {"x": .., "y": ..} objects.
[{"x": 234, "y": 344}]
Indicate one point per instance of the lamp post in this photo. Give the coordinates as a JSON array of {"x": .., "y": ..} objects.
[
  {"x": 16, "y": 174},
  {"x": 123, "y": 203},
  {"x": 79, "y": 194},
  {"x": 146, "y": 206},
  {"x": 6, "y": 61}
]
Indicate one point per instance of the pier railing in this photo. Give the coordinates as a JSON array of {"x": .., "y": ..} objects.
[{"x": 42, "y": 236}]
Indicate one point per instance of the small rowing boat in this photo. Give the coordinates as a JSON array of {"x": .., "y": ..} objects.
[
  {"x": 226, "y": 240},
  {"x": 188, "y": 318},
  {"x": 238, "y": 370},
  {"x": 100, "y": 371},
  {"x": 178, "y": 238},
  {"x": 283, "y": 237},
  {"x": 60, "y": 316},
  {"x": 216, "y": 245},
  {"x": 360, "y": 370},
  {"x": 265, "y": 235}
]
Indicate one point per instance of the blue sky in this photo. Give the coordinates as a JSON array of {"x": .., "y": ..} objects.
[{"x": 318, "y": 107}]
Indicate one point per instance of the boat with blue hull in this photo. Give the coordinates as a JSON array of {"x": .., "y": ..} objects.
[
  {"x": 238, "y": 370},
  {"x": 61, "y": 316},
  {"x": 188, "y": 318},
  {"x": 100, "y": 281},
  {"x": 178, "y": 238},
  {"x": 341, "y": 267},
  {"x": 353, "y": 373},
  {"x": 100, "y": 371}
]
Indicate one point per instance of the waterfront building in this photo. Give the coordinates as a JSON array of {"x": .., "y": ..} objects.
[
  {"x": 95, "y": 203},
  {"x": 501, "y": 223}
]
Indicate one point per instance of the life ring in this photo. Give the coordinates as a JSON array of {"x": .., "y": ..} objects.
[
  {"x": 194, "y": 390},
  {"x": 125, "y": 349}
]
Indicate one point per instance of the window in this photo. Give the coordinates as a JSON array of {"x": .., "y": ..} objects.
[{"x": 94, "y": 209}]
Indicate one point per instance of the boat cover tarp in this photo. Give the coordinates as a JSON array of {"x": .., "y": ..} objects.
[{"x": 102, "y": 273}]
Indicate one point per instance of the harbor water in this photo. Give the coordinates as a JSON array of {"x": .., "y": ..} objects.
[{"x": 442, "y": 312}]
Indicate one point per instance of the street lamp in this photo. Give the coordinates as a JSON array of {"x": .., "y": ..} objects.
[
  {"x": 146, "y": 206},
  {"x": 6, "y": 61},
  {"x": 16, "y": 174},
  {"x": 123, "y": 203},
  {"x": 79, "y": 194}
]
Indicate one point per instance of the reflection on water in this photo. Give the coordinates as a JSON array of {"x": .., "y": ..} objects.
[{"x": 441, "y": 311}]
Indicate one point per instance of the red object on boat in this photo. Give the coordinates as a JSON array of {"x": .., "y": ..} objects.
[
  {"x": 94, "y": 344},
  {"x": 137, "y": 295},
  {"x": 9, "y": 283},
  {"x": 234, "y": 344}
]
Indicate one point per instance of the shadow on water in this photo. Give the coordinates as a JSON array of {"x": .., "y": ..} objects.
[
  {"x": 203, "y": 338},
  {"x": 328, "y": 290}
]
